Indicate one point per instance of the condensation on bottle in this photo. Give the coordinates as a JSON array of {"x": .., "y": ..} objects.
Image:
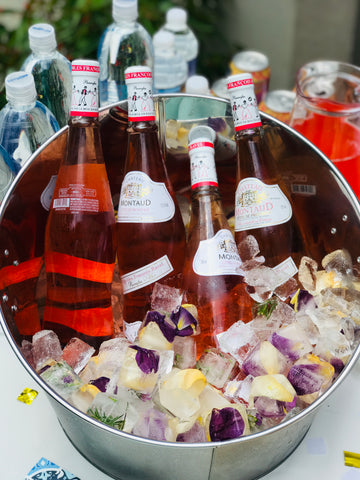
[
  {"x": 80, "y": 232},
  {"x": 213, "y": 278},
  {"x": 124, "y": 43},
  {"x": 170, "y": 68},
  {"x": 51, "y": 71},
  {"x": 150, "y": 229},
  {"x": 185, "y": 39},
  {"x": 25, "y": 123}
]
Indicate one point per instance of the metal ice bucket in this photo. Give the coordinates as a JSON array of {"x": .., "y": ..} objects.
[{"x": 331, "y": 213}]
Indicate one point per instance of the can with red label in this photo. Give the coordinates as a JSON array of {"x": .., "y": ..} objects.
[
  {"x": 279, "y": 104},
  {"x": 256, "y": 63}
]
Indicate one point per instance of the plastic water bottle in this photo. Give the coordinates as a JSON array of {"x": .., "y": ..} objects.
[
  {"x": 51, "y": 71},
  {"x": 25, "y": 123},
  {"x": 170, "y": 68},
  {"x": 185, "y": 40},
  {"x": 197, "y": 85},
  {"x": 124, "y": 43},
  {"x": 6, "y": 174}
]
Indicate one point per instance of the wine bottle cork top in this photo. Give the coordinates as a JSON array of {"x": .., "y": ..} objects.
[
  {"x": 138, "y": 73},
  {"x": 239, "y": 80},
  {"x": 84, "y": 67}
]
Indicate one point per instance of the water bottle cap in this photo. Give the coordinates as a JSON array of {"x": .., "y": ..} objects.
[
  {"x": 163, "y": 40},
  {"x": 138, "y": 74},
  {"x": 84, "y": 67},
  {"x": 201, "y": 132},
  {"x": 124, "y": 10},
  {"x": 176, "y": 19},
  {"x": 197, "y": 84},
  {"x": 42, "y": 37},
  {"x": 20, "y": 87}
]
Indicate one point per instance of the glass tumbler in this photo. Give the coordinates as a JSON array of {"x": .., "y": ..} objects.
[{"x": 327, "y": 112}]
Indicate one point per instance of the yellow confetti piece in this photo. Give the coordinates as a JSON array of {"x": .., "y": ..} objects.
[
  {"x": 352, "y": 459},
  {"x": 27, "y": 396}
]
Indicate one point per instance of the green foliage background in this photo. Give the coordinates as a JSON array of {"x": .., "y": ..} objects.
[{"x": 79, "y": 24}]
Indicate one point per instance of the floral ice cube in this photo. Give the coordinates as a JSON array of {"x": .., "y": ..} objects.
[
  {"x": 307, "y": 273},
  {"x": 310, "y": 376},
  {"x": 239, "y": 389},
  {"x": 217, "y": 366},
  {"x": 156, "y": 332},
  {"x": 77, "y": 353},
  {"x": 179, "y": 392},
  {"x": 196, "y": 434},
  {"x": 139, "y": 370},
  {"x": 291, "y": 341},
  {"x": 83, "y": 397},
  {"x": 275, "y": 386},
  {"x": 185, "y": 320},
  {"x": 165, "y": 299},
  {"x": 238, "y": 340},
  {"x": 185, "y": 352},
  {"x": 248, "y": 248},
  {"x": 155, "y": 425},
  {"x": 228, "y": 423},
  {"x": 265, "y": 359},
  {"x": 269, "y": 407},
  {"x": 210, "y": 398},
  {"x": 62, "y": 378},
  {"x": 262, "y": 282},
  {"x": 45, "y": 347},
  {"x": 107, "y": 409}
]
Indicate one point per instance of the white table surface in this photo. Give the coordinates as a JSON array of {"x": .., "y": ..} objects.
[{"x": 30, "y": 432}]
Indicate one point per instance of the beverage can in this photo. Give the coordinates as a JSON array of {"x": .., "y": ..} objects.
[
  {"x": 279, "y": 104},
  {"x": 256, "y": 63}
]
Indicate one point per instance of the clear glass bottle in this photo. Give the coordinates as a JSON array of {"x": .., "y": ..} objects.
[
  {"x": 186, "y": 42},
  {"x": 150, "y": 229},
  {"x": 124, "y": 43},
  {"x": 25, "y": 123},
  {"x": 263, "y": 205},
  {"x": 51, "y": 71},
  {"x": 170, "y": 69},
  {"x": 212, "y": 277},
  {"x": 80, "y": 231}
]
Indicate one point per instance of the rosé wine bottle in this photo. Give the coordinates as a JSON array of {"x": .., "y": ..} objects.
[
  {"x": 150, "y": 229},
  {"x": 263, "y": 207},
  {"x": 213, "y": 278},
  {"x": 80, "y": 232}
]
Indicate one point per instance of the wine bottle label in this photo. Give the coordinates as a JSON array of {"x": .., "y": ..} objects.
[
  {"x": 84, "y": 99},
  {"x": 244, "y": 105},
  {"x": 144, "y": 201},
  {"x": 76, "y": 198},
  {"x": 259, "y": 205},
  {"x": 140, "y": 102},
  {"x": 202, "y": 164},
  {"x": 286, "y": 268},
  {"x": 218, "y": 256},
  {"x": 146, "y": 275}
]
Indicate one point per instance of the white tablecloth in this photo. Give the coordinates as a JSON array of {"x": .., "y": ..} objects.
[{"x": 30, "y": 432}]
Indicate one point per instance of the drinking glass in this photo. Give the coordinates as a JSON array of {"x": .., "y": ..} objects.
[{"x": 327, "y": 112}]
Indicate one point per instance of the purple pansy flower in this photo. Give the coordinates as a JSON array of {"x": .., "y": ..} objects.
[
  {"x": 100, "y": 383},
  {"x": 147, "y": 360},
  {"x": 226, "y": 424},
  {"x": 167, "y": 330},
  {"x": 185, "y": 322}
]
